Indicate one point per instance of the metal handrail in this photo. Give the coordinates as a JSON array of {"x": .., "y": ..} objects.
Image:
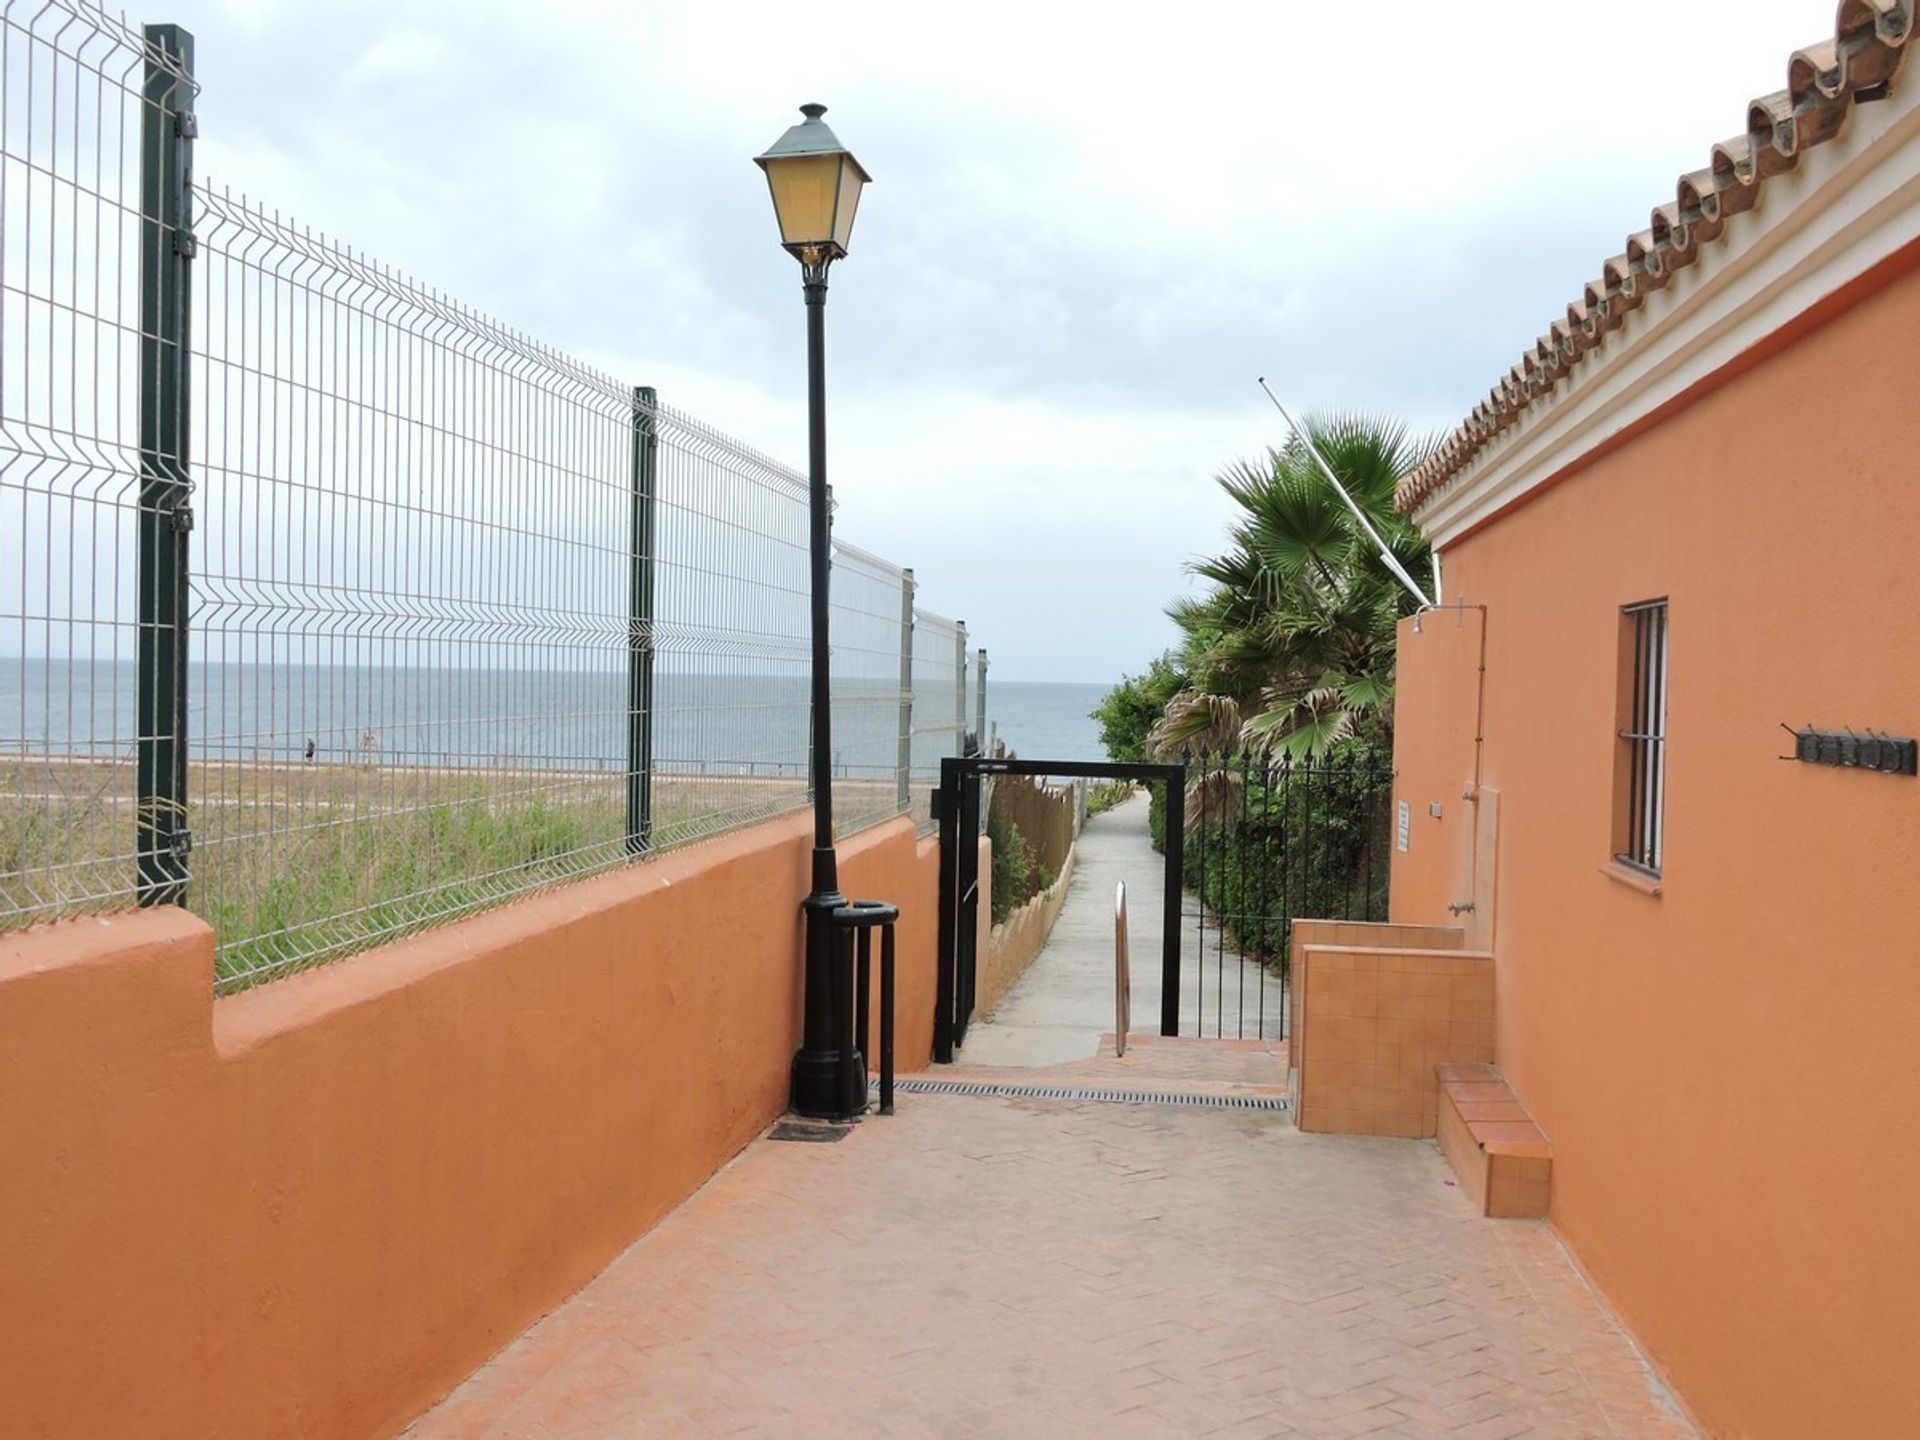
[{"x": 1122, "y": 974}]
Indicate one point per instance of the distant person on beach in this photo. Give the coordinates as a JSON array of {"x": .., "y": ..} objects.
[{"x": 309, "y": 749}]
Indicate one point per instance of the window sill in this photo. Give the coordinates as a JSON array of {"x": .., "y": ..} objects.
[{"x": 1633, "y": 879}]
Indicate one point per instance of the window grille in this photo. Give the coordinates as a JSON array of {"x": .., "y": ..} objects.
[{"x": 1645, "y": 736}]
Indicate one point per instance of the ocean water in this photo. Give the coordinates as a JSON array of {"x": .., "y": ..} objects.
[
  {"x": 756, "y": 724},
  {"x": 1044, "y": 720}
]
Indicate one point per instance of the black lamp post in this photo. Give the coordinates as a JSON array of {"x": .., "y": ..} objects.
[{"x": 816, "y": 188}]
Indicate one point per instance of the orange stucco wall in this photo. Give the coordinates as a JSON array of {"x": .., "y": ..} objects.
[
  {"x": 312, "y": 1208},
  {"x": 1728, "y": 1070}
]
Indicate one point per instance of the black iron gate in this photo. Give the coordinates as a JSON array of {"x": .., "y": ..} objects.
[
  {"x": 1253, "y": 840},
  {"x": 1272, "y": 839},
  {"x": 958, "y": 808}
]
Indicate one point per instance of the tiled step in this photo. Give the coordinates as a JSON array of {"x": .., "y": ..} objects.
[{"x": 1504, "y": 1160}]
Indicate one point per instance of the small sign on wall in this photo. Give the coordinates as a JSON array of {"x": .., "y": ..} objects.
[{"x": 1404, "y": 827}]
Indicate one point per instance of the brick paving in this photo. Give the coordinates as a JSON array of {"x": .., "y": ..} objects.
[
  {"x": 1159, "y": 1064},
  {"x": 974, "y": 1268}
]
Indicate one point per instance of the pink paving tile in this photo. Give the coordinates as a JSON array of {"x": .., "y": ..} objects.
[{"x": 974, "y": 1268}]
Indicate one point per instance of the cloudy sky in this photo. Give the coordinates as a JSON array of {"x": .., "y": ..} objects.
[{"x": 1092, "y": 226}]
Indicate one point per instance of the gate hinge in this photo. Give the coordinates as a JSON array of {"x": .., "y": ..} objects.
[
  {"x": 184, "y": 243},
  {"x": 186, "y": 124},
  {"x": 183, "y": 519},
  {"x": 183, "y": 841}
]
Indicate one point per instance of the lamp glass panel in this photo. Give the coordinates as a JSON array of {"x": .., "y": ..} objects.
[
  {"x": 804, "y": 190},
  {"x": 850, "y": 187}
]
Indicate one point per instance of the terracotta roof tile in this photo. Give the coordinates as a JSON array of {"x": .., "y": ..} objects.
[{"x": 1824, "y": 81}]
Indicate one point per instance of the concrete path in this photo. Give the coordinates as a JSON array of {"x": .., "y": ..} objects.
[
  {"x": 978, "y": 1268},
  {"x": 1063, "y": 1005}
]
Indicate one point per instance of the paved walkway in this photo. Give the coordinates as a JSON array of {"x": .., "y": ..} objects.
[
  {"x": 1063, "y": 1005},
  {"x": 976, "y": 1268}
]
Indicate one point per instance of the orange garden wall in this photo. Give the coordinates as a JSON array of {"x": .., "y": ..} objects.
[
  {"x": 1729, "y": 1069},
  {"x": 312, "y": 1208}
]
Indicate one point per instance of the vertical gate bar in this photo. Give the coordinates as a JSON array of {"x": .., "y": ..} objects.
[
  {"x": 1265, "y": 950},
  {"x": 1344, "y": 792},
  {"x": 1200, "y": 888},
  {"x": 640, "y": 637},
  {"x": 949, "y": 808},
  {"x": 1176, "y": 823},
  {"x": 1306, "y": 849},
  {"x": 166, "y": 516},
  {"x": 1240, "y": 944},
  {"x": 980, "y": 701},
  {"x": 1220, "y": 936},
  {"x": 904, "y": 760},
  {"x": 1346, "y": 809},
  {"x": 1356, "y": 807},
  {"x": 1286, "y": 913},
  {"x": 1336, "y": 810},
  {"x": 1368, "y": 827},
  {"x": 967, "y": 959}
]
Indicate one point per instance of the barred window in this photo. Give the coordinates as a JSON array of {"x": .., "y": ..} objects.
[{"x": 1641, "y": 795}]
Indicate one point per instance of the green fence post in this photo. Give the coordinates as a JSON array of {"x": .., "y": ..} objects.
[
  {"x": 640, "y": 645},
  {"x": 167, "y": 129},
  {"x": 905, "y": 761}
]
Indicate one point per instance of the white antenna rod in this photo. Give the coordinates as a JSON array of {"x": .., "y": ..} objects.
[{"x": 1399, "y": 570}]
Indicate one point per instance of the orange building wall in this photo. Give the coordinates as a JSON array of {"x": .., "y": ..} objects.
[
  {"x": 312, "y": 1208},
  {"x": 1729, "y": 1070}
]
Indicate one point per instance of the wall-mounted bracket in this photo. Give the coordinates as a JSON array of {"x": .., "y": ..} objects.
[{"x": 1850, "y": 750}]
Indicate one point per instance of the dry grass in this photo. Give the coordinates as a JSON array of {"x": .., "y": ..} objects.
[{"x": 294, "y": 865}]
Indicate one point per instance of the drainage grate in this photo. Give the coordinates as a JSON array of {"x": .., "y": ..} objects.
[
  {"x": 986, "y": 1089},
  {"x": 817, "y": 1132}
]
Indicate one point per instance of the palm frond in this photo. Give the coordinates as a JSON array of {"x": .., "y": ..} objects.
[{"x": 1197, "y": 720}]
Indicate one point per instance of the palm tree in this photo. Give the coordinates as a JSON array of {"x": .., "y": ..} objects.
[{"x": 1292, "y": 646}]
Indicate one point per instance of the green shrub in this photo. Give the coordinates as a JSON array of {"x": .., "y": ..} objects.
[
  {"x": 1305, "y": 850},
  {"x": 1012, "y": 870}
]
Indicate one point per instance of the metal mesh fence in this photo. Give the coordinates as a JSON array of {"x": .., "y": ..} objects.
[
  {"x": 85, "y": 659},
  {"x": 730, "y": 706},
  {"x": 410, "y": 589},
  {"x": 467, "y": 616},
  {"x": 939, "y": 698},
  {"x": 866, "y": 600}
]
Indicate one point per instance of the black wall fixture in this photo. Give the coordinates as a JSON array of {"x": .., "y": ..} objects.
[{"x": 1854, "y": 750}]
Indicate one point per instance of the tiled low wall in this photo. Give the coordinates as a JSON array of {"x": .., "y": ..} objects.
[
  {"x": 1371, "y": 1024},
  {"x": 310, "y": 1209},
  {"x": 1015, "y": 941},
  {"x": 1304, "y": 933}
]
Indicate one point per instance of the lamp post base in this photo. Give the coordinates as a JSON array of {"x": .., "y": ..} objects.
[{"x": 829, "y": 1078}]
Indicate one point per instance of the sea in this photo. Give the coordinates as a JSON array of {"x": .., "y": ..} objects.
[
  {"x": 1044, "y": 719},
  {"x": 753, "y": 724}
]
